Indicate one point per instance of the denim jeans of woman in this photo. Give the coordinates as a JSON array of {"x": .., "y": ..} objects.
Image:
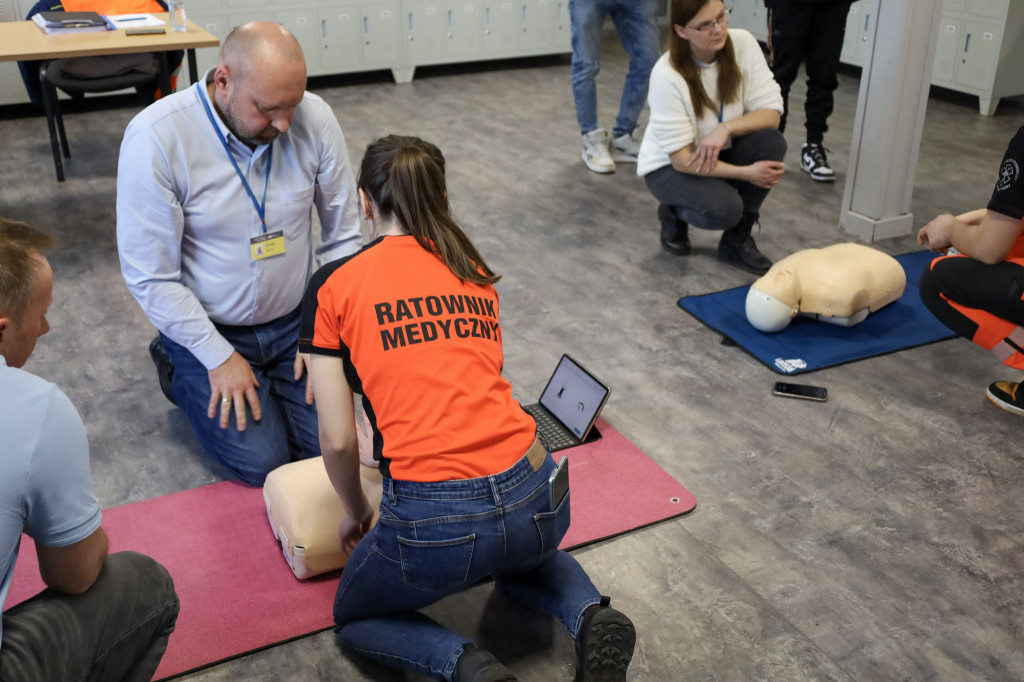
[{"x": 436, "y": 539}]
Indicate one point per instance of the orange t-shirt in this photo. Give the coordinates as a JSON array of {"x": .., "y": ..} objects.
[{"x": 424, "y": 350}]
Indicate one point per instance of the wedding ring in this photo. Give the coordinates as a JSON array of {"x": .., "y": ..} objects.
[{"x": 225, "y": 400}]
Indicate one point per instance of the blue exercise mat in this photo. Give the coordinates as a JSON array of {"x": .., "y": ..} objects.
[{"x": 807, "y": 344}]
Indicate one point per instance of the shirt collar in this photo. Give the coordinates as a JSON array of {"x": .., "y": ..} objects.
[{"x": 201, "y": 89}]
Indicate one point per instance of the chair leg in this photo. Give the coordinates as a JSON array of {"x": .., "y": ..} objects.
[
  {"x": 49, "y": 103},
  {"x": 60, "y": 124}
]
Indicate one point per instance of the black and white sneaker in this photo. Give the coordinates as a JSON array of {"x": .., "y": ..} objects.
[
  {"x": 1007, "y": 395},
  {"x": 814, "y": 162}
]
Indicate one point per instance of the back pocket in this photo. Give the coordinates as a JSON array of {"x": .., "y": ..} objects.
[
  {"x": 553, "y": 525},
  {"x": 436, "y": 565}
]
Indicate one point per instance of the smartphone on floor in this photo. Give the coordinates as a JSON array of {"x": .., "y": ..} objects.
[{"x": 802, "y": 391}]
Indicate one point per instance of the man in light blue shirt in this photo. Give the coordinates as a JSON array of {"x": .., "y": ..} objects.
[
  {"x": 215, "y": 190},
  {"x": 116, "y": 625}
]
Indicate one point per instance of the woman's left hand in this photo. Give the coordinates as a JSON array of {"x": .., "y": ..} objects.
[{"x": 705, "y": 157}]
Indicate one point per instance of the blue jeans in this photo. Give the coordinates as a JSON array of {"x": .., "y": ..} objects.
[
  {"x": 288, "y": 429},
  {"x": 115, "y": 630},
  {"x": 436, "y": 539},
  {"x": 634, "y": 20}
]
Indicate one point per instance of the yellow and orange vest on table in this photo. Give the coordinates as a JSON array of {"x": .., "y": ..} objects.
[{"x": 112, "y": 6}]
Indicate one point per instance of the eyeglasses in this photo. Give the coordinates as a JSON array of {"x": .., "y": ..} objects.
[{"x": 708, "y": 26}]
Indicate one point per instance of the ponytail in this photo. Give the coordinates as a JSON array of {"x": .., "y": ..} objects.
[{"x": 404, "y": 177}]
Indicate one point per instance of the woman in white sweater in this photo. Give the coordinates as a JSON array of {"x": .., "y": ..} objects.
[{"x": 712, "y": 149}]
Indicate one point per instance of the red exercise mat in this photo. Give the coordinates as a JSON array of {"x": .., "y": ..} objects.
[{"x": 237, "y": 592}]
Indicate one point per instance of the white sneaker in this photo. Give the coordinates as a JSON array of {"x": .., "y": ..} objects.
[
  {"x": 814, "y": 162},
  {"x": 625, "y": 148},
  {"x": 595, "y": 151}
]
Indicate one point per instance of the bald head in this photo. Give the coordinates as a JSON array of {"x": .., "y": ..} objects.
[
  {"x": 262, "y": 48},
  {"x": 259, "y": 81}
]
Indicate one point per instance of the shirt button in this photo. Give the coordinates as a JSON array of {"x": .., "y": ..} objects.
[{"x": 261, "y": 276}]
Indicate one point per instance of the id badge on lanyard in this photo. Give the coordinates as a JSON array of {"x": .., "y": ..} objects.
[{"x": 267, "y": 244}]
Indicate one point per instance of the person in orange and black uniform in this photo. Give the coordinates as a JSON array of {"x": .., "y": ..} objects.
[
  {"x": 978, "y": 291},
  {"x": 411, "y": 323}
]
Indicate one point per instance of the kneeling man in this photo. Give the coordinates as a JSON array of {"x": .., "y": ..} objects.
[{"x": 215, "y": 191}]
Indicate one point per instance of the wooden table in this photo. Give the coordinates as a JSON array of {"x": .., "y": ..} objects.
[{"x": 25, "y": 41}]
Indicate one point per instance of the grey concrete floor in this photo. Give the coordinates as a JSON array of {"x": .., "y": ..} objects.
[{"x": 878, "y": 536}]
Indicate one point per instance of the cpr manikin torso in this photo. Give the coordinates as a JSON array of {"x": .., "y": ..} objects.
[{"x": 839, "y": 284}]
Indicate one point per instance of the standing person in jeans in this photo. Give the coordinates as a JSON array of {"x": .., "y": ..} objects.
[
  {"x": 410, "y": 322},
  {"x": 809, "y": 31},
  {"x": 635, "y": 22},
  {"x": 712, "y": 150},
  {"x": 101, "y": 618}
]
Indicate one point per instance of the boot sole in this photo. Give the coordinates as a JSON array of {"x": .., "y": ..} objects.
[
  {"x": 676, "y": 252},
  {"x": 609, "y": 651}
]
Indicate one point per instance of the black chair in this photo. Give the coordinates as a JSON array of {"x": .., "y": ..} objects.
[{"x": 89, "y": 74}]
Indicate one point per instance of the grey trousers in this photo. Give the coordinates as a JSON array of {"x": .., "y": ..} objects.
[
  {"x": 117, "y": 630},
  {"x": 713, "y": 203}
]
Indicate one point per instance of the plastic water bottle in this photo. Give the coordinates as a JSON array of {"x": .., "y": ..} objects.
[{"x": 177, "y": 10}]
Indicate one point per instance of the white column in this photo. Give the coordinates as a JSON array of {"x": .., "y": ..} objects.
[{"x": 890, "y": 116}]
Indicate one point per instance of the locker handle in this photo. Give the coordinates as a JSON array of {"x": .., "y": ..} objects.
[
  {"x": 323, "y": 28},
  {"x": 450, "y": 19},
  {"x": 967, "y": 42},
  {"x": 867, "y": 20}
]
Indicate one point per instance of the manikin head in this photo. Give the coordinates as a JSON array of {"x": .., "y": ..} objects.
[
  {"x": 26, "y": 290},
  {"x": 774, "y": 300}
]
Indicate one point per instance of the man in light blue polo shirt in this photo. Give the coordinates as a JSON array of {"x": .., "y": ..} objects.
[
  {"x": 123, "y": 608},
  {"x": 215, "y": 191}
]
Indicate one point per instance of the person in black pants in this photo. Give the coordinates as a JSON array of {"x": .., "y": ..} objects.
[
  {"x": 811, "y": 31},
  {"x": 977, "y": 288}
]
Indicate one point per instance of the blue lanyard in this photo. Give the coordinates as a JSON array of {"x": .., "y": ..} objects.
[
  {"x": 261, "y": 210},
  {"x": 721, "y": 110}
]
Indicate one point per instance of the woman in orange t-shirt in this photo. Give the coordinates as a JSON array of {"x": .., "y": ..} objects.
[{"x": 410, "y": 322}]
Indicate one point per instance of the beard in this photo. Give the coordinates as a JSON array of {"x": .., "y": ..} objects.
[{"x": 251, "y": 137}]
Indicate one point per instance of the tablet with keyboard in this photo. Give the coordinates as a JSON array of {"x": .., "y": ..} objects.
[{"x": 569, "y": 406}]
